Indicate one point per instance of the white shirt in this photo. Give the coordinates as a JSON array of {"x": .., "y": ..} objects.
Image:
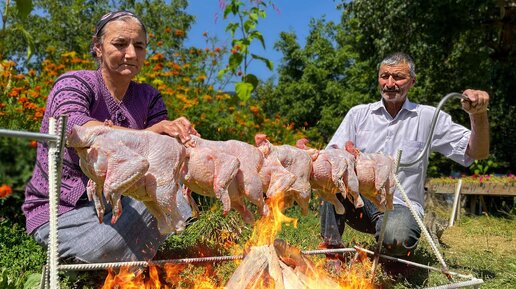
[{"x": 372, "y": 129}]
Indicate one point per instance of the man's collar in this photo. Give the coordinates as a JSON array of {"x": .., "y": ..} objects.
[{"x": 407, "y": 105}]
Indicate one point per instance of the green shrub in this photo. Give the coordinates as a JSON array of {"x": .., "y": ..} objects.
[{"x": 21, "y": 258}]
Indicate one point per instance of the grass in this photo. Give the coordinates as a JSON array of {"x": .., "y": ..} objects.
[
  {"x": 483, "y": 246},
  {"x": 486, "y": 247}
]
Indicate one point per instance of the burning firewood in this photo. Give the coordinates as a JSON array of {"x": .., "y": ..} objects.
[{"x": 278, "y": 266}]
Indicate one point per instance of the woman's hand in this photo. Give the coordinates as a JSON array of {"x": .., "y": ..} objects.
[{"x": 180, "y": 128}]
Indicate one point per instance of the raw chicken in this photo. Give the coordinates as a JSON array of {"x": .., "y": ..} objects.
[
  {"x": 221, "y": 157},
  {"x": 296, "y": 162},
  {"x": 213, "y": 174},
  {"x": 375, "y": 173},
  {"x": 333, "y": 172},
  {"x": 135, "y": 163}
]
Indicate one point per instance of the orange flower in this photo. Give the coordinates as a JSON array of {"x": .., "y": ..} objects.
[
  {"x": 33, "y": 144},
  {"x": 157, "y": 57},
  {"x": 9, "y": 64},
  {"x": 168, "y": 29},
  {"x": 254, "y": 109},
  {"x": 34, "y": 94},
  {"x": 38, "y": 115},
  {"x": 157, "y": 67},
  {"x": 5, "y": 191},
  {"x": 180, "y": 33},
  {"x": 30, "y": 105}
]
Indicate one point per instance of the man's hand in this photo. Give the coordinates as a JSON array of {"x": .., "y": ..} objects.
[
  {"x": 180, "y": 128},
  {"x": 476, "y": 102},
  {"x": 476, "y": 106}
]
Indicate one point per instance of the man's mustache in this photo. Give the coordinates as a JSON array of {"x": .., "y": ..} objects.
[{"x": 391, "y": 89}]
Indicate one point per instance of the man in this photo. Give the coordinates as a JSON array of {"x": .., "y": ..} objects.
[{"x": 395, "y": 123}]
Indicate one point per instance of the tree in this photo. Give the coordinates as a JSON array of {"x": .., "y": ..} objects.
[
  {"x": 314, "y": 86},
  {"x": 20, "y": 10}
]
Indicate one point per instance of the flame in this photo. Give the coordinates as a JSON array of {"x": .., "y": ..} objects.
[
  {"x": 317, "y": 275},
  {"x": 172, "y": 272},
  {"x": 267, "y": 228},
  {"x": 358, "y": 275},
  {"x": 199, "y": 280},
  {"x": 154, "y": 277},
  {"x": 125, "y": 279}
]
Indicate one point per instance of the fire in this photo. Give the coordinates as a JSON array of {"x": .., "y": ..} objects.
[
  {"x": 267, "y": 228},
  {"x": 289, "y": 265},
  {"x": 358, "y": 275},
  {"x": 171, "y": 276},
  {"x": 125, "y": 279}
]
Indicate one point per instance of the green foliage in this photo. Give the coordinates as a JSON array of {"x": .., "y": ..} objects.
[
  {"x": 317, "y": 83},
  {"x": 488, "y": 166},
  {"x": 20, "y": 256},
  {"x": 23, "y": 7},
  {"x": 18, "y": 159},
  {"x": 212, "y": 233},
  {"x": 243, "y": 32}
]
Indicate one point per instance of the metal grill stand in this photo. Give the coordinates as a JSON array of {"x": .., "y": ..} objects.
[{"x": 55, "y": 142}]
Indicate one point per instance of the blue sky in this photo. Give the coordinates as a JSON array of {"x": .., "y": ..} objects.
[{"x": 293, "y": 15}]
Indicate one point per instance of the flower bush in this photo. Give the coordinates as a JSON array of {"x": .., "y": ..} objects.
[
  {"x": 478, "y": 179},
  {"x": 482, "y": 171}
]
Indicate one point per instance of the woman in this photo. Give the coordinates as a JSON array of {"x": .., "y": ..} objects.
[{"x": 92, "y": 98}]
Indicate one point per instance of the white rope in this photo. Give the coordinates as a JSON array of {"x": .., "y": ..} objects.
[{"x": 421, "y": 225}]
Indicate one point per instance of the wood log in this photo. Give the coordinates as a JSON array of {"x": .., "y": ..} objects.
[
  {"x": 274, "y": 267},
  {"x": 290, "y": 278},
  {"x": 262, "y": 268},
  {"x": 251, "y": 270}
]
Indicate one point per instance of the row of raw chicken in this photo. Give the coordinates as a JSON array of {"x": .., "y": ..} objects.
[{"x": 149, "y": 167}]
